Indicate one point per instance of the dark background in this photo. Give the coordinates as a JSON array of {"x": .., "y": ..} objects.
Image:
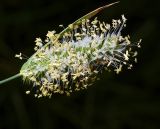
[{"x": 130, "y": 100}]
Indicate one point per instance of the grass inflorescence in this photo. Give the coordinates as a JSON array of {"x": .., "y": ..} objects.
[
  {"x": 70, "y": 61},
  {"x": 74, "y": 60}
]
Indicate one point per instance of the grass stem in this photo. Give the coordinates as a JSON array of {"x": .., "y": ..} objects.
[{"x": 10, "y": 78}]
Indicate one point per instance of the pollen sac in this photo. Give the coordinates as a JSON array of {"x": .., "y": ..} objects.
[{"x": 72, "y": 62}]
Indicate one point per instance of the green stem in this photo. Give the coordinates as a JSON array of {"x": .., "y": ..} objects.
[{"x": 10, "y": 78}]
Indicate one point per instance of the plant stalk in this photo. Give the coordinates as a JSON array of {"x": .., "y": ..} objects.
[{"x": 10, "y": 78}]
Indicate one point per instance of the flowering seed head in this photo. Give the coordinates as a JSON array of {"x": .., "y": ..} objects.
[{"x": 72, "y": 62}]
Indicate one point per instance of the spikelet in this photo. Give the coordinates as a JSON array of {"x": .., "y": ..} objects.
[{"x": 72, "y": 62}]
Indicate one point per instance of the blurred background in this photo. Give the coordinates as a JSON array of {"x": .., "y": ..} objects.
[{"x": 130, "y": 100}]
